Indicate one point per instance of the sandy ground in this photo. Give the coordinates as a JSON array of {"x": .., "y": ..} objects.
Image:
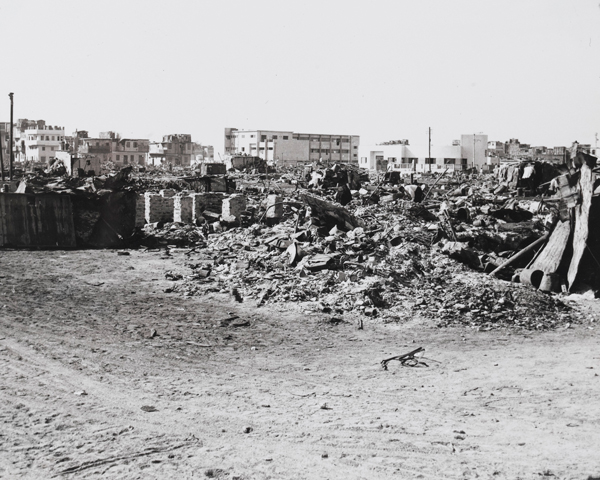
[{"x": 87, "y": 390}]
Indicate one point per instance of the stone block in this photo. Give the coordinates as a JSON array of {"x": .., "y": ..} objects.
[
  {"x": 274, "y": 206},
  {"x": 183, "y": 209},
  {"x": 234, "y": 206}
]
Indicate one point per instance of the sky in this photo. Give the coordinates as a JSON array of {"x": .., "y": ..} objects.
[{"x": 387, "y": 69}]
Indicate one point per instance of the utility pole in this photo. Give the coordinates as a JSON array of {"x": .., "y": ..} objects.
[
  {"x": 429, "y": 159},
  {"x": 12, "y": 153}
]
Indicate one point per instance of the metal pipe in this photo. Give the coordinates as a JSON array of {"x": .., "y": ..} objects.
[{"x": 542, "y": 239}]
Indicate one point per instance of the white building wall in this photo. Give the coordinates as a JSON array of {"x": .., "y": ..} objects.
[
  {"x": 473, "y": 148},
  {"x": 41, "y": 144},
  {"x": 410, "y": 158},
  {"x": 289, "y": 148}
]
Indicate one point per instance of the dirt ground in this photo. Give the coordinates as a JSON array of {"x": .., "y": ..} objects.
[{"x": 102, "y": 374}]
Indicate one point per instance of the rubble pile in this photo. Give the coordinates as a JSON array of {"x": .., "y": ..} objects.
[
  {"x": 395, "y": 260},
  {"x": 341, "y": 241}
]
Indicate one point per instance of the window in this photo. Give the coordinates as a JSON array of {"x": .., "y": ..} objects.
[
  {"x": 449, "y": 161},
  {"x": 429, "y": 161},
  {"x": 464, "y": 161},
  {"x": 47, "y": 137},
  {"x": 413, "y": 160},
  {"x": 356, "y": 155},
  {"x": 314, "y": 150},
  {"x": 243, "y": 149},
  {"x": 127, "y": 144},
  {"x": 262, "y": 138},
  {"x": 43, "y": 159},
  {"x": 285, "y": 137},
  {"x": 52, "y": 137},
  {"x": 124, "y": 158},
  {"x": 274, "y": 137},
  {"x": 134, "y": 144},
  {"x": 44, "y": 149},
  {"x": 270, "y": 148},
  {"x": 141, "y": 159},
  {"x": 97, "y": 143},
  {"x": 118, "y": 158},
  {"x": 228, "y": 137},
  {"x": 345, "y": 151},
  {"x": 261, "y": 148},
  {"x": 355, "y": 147}
]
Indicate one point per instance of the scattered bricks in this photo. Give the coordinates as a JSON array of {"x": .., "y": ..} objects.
[
  {"x": 158, "y": 208},
  {"x": 140, "y": 211},
  {"x": 183, "y": 209},
  {"x": 274, "y": 206},
  {"x": 213, "y": 202},
  {"x": 234, "y": 206}
]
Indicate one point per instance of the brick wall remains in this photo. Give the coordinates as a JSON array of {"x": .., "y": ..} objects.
[
  {"x": 140, "y": 210},
  {"x": 159, "y": 208},
  {"x": 234, "y": 206},
  {"x": 213, "y": 202},
  {"x": 183, "y": 209}
]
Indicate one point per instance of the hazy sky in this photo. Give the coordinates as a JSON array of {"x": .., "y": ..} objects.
[{"x": 379, "y": 69}]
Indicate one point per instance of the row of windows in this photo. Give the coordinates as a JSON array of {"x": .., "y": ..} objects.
[
  {"x": 48, "y": 137},
  {"x": 34, "y": 147},
  {"x": 127, "y": 158},
  {"x": 262, "y": 137},
  {"x": 326, "y": 151},
  {"x": 428, "y": 161}
]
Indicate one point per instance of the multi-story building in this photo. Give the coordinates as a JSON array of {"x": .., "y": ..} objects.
[
  {"x": 109, "y": 147},
  {"x": 38, "y": 144},
  {"x": 202, "y": 154},
  {"x": 285, "y": 148},
  {"x": 175, "y": 150},
  {"x": 496, "y": 149}
]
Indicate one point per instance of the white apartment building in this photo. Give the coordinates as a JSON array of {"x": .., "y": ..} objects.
[
  {"x": 39, "y": 144},
  {"x": 406, "y": 158},
  {"x": 286, "y": 148}
]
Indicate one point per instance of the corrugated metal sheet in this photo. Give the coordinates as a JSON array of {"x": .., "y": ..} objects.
[{"x": 40, "y": 220}]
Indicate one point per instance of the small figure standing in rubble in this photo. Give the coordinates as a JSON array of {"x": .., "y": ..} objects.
[
  {"x": 343, "y": 195},
  {"x": 415, "y": 192}
]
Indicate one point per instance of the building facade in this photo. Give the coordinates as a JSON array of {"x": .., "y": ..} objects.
[
  {"x": 405, "y": 158},
  {"x": 408, "y": 159},
  {"x": 286, "y": 148},
  {"x": 34, "y": 141},
  {"x": 175, "y": 149},
  {"x": 109, "y": 147}
]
